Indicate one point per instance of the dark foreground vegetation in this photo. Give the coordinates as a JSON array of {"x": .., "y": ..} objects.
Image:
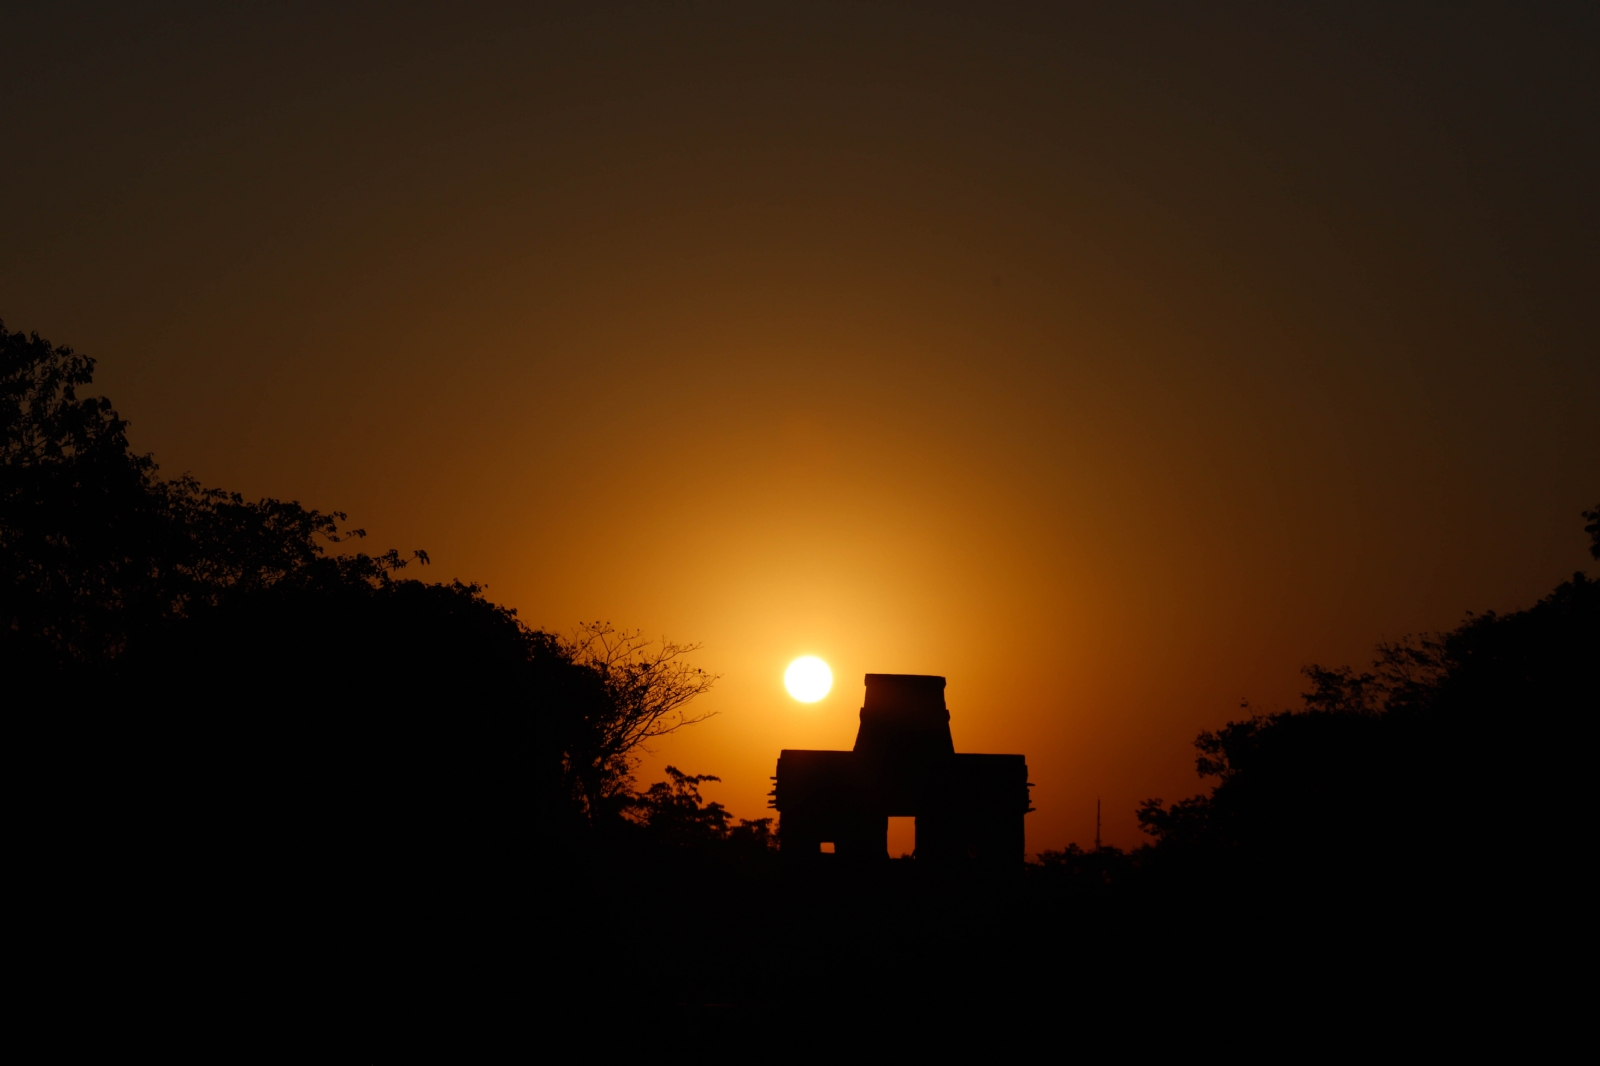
[{"x": 274, "y": 783}]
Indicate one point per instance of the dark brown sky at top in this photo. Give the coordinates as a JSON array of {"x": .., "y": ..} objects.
[{"x": 1113, "y": 362}]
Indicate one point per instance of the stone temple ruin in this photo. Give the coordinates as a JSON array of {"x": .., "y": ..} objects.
[{"x": 968, "y": 808}]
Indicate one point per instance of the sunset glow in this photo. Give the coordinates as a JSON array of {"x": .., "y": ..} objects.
[
  {"x": 1112, "y": 365},
  {"x": 429, "y": 433}
]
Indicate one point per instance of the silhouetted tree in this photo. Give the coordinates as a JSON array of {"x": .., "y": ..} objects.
[
  {"x": 1395, "y": 776},
  {"x": 674, "y": 814},
  {"x": 647, "y": 687},
  {"x": 215, "y": 695},
  {"x": 1084, "y": 870},
  {"x": 96, "y": 549}
]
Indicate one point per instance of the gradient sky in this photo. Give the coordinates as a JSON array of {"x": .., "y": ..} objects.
[{"x": 1112, "y": 361}]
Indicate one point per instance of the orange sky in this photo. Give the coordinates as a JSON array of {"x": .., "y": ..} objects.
[{"x": 1111, "y": 365}]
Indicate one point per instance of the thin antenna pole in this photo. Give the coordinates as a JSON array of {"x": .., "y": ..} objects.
[{"x": 1097, "y": 823}]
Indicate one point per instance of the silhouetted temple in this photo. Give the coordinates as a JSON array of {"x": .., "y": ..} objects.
[{"x": 969, "y": 808}]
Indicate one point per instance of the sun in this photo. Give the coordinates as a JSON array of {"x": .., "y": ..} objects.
[{"x": 808, "y": 679}]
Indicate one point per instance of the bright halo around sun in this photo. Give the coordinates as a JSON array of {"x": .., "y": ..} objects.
[{"x": 808, "y": 679}]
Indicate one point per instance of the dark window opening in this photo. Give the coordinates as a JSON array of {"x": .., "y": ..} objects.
[{"x": 902, "y": 838}]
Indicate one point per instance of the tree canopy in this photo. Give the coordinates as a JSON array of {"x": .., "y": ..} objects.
[
  {"x": 97, "y": 550},
  {"x": 237, "y": 640},
  {"x": 1400, "y": 775}
]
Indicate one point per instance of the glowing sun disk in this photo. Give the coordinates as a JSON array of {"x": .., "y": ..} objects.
[{"x": 808, "y": 679}]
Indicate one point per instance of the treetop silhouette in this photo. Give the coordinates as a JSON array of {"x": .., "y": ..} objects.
[
  {"x": 96, "y": 548},
  {"x": 221, "y": 618}
]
